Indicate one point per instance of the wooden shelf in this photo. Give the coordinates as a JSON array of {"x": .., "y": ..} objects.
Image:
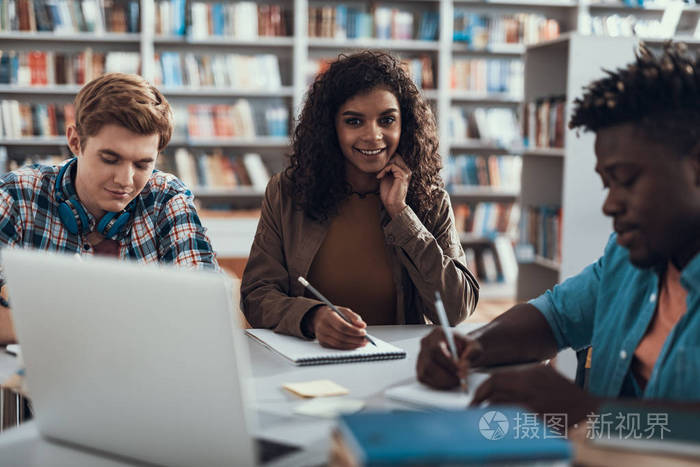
[{"x": 391, "y": 44}]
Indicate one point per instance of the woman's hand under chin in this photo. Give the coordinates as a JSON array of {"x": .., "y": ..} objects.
[{"x": 393, "y": 184}]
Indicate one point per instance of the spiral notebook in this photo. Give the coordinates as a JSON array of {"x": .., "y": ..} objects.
[{"x": 302, "y": 352}]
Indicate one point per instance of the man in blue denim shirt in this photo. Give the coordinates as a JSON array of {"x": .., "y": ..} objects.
[{"x": 646, "y": 117}]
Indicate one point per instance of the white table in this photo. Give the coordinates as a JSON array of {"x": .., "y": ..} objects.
[{"x": 276, "y": 421}]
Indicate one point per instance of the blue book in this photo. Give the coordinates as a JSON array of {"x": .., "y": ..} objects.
[
  {"x": 472, "y": 436},
  {"x": 218, "y": 18}
]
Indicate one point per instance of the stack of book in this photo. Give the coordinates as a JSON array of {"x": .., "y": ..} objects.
[
  {"x": 342, "y": 22},
  {"x": 480, "y": 75},
  {"x": 419, "y": 68},
  {"x": 216, "y": 170},
  {"x": 540, "y": 227},
  {"x": 239, "y": 20},
  {"x": 483, "y": 30},
  {"x": 41, "y": 68},
  {"x": 544, "y": 123},
  {"x": 70, "y": 16},
  {"x": 170, "y": 17},
  {"x": 494, "y": 171},
  {"x": 20, "y": 120},
  {"x": 244, "y": 119},
  {"x": 224, "y": 71}
]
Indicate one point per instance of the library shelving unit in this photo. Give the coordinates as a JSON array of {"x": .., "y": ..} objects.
[
  {"x": 298, "y": 49},
  {"x": 565, "y": 176}
]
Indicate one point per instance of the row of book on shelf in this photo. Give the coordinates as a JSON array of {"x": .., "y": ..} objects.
[
  {"x": 379, "y": 22},
  {"x": 474, "y": 170},
  {"x": 236, "y": 20},
  {"x": 482, "y": 76},
  {"x": 214, "y": 169},
  {"x": 540, "y": 232},
  {"x": 419, "y": 68},
  {"x": 232, "y": 71},
  {"x": 482, "y": 30},
  {"x": 493, "y": 262},
  {"x": 22, "y": 120},
  {"x": 243, "y": 119},
  {"x": 211, "y": 169},
  {"x": 42, "y": 68},
  {"x": 70, "y": 16},
  {"x": 544, "y": 122},
  {"x": 498, "y": 125},
  {"x": 488, "y": 246},
  {"x": 487, "y": 219}
]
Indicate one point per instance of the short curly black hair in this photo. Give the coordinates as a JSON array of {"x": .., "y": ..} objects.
[
  {"x": 317, "y": 166},
  {"x": 660, "y": 94}
]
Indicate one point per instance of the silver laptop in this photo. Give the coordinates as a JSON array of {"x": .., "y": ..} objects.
[{"x": 143, "y": 361}]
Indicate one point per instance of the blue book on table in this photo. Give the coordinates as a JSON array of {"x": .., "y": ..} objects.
[{"x": 472, "y": 436}]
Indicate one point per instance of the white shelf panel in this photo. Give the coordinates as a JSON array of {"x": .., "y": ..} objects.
[
  {"x": 284, "y": 91},
  {"x": 517, "y": 3},
  {"x": 483, "y": 192},
  {"x": 544, "y": 262},
  {"x": 85, "y": 37},
  {"x": 480, "y": 97},
  {"x": 259, "y": 142},
  {"x": 56, "y": 90},
  {"x": 480, "y": 146},
  {"x": 330, "y": 43},
  {"x": 472, "y": 238},
  {"x": 265, "y": 41},
  {"x": 543, "y": 152},
  {"x": 430, "y": 94},
  {"x": 617, "y": 6},
  {"x": 496, "y": 291},
  {"x": 494, "y": 49},
  {"x": 241, "y": 192},
  {"x": 35, "y": 141}
]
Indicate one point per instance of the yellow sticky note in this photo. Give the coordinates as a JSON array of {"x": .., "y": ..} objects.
[{"x": 317, "y": 388}]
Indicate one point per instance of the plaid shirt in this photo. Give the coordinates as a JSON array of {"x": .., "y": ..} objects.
[{"x": 164, "y": 226}]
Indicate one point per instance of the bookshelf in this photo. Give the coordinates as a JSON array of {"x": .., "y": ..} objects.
[{"x": 436, "y": 38}]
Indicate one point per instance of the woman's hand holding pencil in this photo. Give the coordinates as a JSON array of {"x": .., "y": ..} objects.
[{"x": 335, "y": 326}]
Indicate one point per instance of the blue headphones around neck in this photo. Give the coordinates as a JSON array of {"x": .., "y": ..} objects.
[{"x": 74, "y": 217}]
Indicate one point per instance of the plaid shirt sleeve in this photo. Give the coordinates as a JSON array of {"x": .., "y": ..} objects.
[
  {"x": 182, "y": 238},
  {"x": 10, "y": 225}
]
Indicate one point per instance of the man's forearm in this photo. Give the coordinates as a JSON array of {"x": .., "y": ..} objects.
[{"x": 519, "y": 335}]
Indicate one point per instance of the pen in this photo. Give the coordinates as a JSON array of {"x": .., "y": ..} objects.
[
  {"x": 320, "y": 296},
  {"x": 442, "y": 316}
]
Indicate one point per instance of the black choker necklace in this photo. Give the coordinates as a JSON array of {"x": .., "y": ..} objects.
[{"x": 364, "y": 195}]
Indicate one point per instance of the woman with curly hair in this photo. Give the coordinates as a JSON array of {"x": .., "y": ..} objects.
[{"x": 360, "y": 212}]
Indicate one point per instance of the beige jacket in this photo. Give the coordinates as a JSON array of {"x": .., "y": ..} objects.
[{"x": 423, "y": 259}]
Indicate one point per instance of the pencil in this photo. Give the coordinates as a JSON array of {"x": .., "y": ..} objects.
[{"x": 320, "y": 296}]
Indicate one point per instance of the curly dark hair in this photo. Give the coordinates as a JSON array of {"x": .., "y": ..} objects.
[
  {"x": 317, "y": 166},
  {"x": 658, "y": 93}
]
